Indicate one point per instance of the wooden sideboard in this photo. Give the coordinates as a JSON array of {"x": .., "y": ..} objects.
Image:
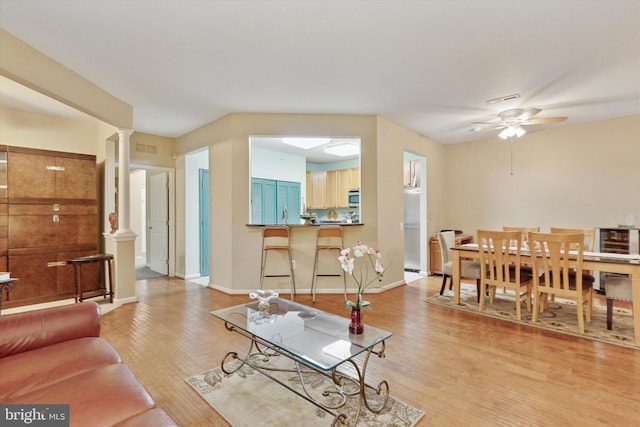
[
  {"x": 435, "y": 261},
  {"x": 48, "y": 215}
]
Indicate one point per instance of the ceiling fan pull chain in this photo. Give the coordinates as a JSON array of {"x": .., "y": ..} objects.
[{"x": 511, "y": 152}]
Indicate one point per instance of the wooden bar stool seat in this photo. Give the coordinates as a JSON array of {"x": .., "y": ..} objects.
[
  {"x": 277, "y": 239},
  {"x": 329, "y": 239}
]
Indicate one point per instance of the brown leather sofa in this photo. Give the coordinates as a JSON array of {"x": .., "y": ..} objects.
[{"x": 56, "y": 356}]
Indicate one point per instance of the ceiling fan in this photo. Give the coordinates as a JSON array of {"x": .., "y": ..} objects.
[{"x": 513, "y": 120}]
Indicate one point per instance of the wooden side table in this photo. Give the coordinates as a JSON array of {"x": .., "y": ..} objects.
[
  {"x": 105, "y": 259},
  {"x": 5, "y": 286}
]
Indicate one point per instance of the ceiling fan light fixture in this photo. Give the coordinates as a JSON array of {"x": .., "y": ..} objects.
[{"x": 511, "y": 131}]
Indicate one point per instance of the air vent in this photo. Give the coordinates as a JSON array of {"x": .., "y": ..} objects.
[
  {"x": 144, "y": 148},
  {"x": 503, "y": 99}
]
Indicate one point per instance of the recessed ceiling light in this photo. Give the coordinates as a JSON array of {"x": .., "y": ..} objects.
[
  {"x": 306, "y": 143},
  {"x": 343, "y": 149}
]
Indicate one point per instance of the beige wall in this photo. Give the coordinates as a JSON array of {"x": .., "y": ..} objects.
[
  {"x": 152, "y": 150},
  {"x": 393, "y": 141},
  {"x": 29, "y": 67},
  {"x": 41, "y": 131},
  {"x": 580, "y": 175},
  {"x": 235, "y": 249}
]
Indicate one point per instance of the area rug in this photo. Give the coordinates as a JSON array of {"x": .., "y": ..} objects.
[
  {"x": 248, "y": 398},
  {"x": 560, "y": 315}
]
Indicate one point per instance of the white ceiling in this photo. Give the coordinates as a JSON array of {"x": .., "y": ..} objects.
[{"x": 427, "y": 65}]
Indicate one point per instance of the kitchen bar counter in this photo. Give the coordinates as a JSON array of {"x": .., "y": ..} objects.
[
  {"x": 303, "y": 250},
  {"x": 310, "y": 225}
]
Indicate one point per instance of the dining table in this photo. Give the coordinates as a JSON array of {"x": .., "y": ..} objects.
[{"x": 628, "y": 264}]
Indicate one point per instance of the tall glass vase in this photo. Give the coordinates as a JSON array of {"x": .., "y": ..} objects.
[{"x": 356, "y": 326}]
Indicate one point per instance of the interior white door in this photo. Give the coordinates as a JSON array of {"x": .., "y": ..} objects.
[{"x": 158, "y": 225}]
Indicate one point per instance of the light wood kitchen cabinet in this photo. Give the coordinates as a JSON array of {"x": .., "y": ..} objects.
[
  {"x": 435, "y": 262},
  {"x": 355, "y": 178},
  {"x": 411, "y": 170},
  {"x": 339, "y": 183},
  {"x": 343, "y": 186},
  {"x": 330, "y": 189},
  {"x": 316, "y": 190}
]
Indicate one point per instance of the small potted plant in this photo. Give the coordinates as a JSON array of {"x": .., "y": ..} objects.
[{"x": 370, "y": 258}]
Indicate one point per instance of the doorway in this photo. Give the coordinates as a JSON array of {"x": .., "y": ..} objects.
[
  {"x": 151, "y": 219},
  {"x": 415, "y": 222},
  {"x": 158, "y": 224},
  {"x": 204, "y": 222}
]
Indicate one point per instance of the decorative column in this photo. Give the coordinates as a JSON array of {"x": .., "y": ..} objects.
[
  {"x": 122, "y": 243},
  {"x": 124, "y": 208}
]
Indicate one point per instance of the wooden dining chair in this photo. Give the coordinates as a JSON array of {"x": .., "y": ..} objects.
[
  {"x": 616, "y": 288},
  {"x": 468, "y": 269},
  {"x": 589, "y": 244},
  {"x": 524, "y": 230},
  {"x": 499, "y": 269},
  {"x": 588, "y": 233},
  {"x": 552, "y": 257}
]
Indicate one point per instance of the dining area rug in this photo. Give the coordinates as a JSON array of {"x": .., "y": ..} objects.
[
  {"x": 560, "y": 315},
  {"x": 248, "y": 398}
]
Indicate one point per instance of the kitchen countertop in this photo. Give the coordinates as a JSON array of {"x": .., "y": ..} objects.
[{"x": 310, "y": 225}]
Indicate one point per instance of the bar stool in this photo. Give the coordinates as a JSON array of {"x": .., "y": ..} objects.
[
  {"x": 329, "y": 238},
  {"x": 276, "y": 238}
]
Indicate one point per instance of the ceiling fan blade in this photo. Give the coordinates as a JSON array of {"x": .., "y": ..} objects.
[
  {"x": 484, "y": 123},
  {"x": 543, "y": 120},
  {"x": 528, "y": 113}
]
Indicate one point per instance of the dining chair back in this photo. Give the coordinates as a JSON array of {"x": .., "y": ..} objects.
[
  {"x": 524, "y": 230},
  {"x": 552, "y": 257},
  {"x": 468, "y": 269},
  {"x": 525, "y": 241},
  {"x": 588, "y": 233},
  {"x": 500, "y": 253},
  {"x": 329, "y": 240},
  {"x": 277, "y": 238},
  {"x": 589, "y": 244}
]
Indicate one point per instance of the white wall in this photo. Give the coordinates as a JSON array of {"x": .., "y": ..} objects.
[
  {"x": 193, "y": 163},
  {"x": 269, "y": 164},
  {"x": 137, "y": 184},
  {"x": 583, "y": 175}
]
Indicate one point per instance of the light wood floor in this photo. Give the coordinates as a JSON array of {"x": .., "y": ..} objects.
[{"x": 460, "y": 368}]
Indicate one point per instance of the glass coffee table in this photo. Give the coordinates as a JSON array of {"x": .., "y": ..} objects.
[{"x": 310, "y": 340}]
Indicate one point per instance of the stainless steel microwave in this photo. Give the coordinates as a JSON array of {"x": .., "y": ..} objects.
[{"x": 354, "y": 198}]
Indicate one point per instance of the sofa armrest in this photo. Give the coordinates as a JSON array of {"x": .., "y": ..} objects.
[{"x": 29, "y": 330}]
